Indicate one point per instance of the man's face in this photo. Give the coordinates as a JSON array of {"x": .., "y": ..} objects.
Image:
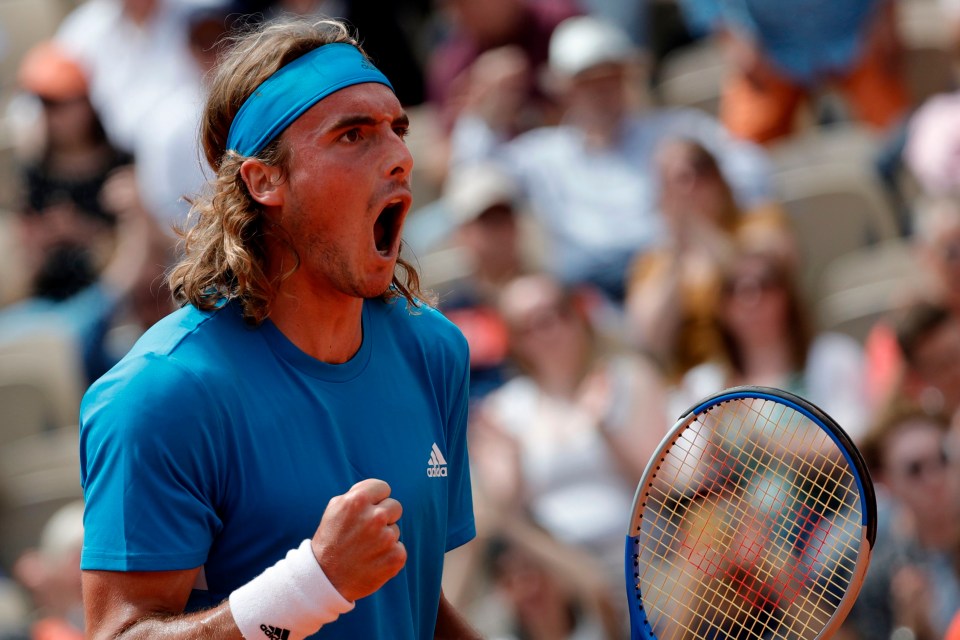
[
  {"x": 916, "y": 468},
  {"x": 600, "y": 92},
  {"x": 347, "y": 190},
  {"x": 937, "y": 363}
]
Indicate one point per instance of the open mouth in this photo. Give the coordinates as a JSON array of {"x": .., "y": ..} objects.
[{"x": 387, "y": 227}]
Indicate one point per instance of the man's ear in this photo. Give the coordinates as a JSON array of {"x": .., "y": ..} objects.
[{"x": 264, "y": 182}]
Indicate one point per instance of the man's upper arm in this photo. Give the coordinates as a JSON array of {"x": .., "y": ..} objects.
[
  {"x": 115, "y": 600},
  {"x": 149, "y": 443}
]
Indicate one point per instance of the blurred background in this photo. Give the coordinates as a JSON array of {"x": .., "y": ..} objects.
[{"x": 625, "y": 205}]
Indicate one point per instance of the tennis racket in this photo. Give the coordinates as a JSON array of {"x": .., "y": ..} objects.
[{"x": 755, "y": 519}]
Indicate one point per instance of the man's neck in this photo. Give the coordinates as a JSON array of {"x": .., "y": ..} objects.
[{"x": 326, "y": 327}]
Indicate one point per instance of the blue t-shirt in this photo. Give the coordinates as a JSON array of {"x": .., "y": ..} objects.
[{"x": 215, "y": 444}]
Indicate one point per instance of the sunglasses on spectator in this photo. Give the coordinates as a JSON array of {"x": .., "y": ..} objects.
[
  {"x": 542, "y": 320},
  {"x": 920, "y": 467},
  {"x": 751, "y": 285}
]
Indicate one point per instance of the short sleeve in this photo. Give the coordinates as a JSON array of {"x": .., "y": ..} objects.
[
  {"x": 149, "y": 437},
  {"x": 460, "y": 523}
]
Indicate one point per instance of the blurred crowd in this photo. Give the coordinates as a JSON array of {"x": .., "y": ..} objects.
[{"x": 624, "y": 205}]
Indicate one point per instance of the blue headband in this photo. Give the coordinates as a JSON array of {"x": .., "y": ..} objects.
[{"x": 293, "y": 89}]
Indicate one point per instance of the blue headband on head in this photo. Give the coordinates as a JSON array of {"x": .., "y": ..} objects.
[{"x": 293, "y": 89}]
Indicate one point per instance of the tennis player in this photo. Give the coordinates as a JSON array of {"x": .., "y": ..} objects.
[{"x": 285, "y": 456}]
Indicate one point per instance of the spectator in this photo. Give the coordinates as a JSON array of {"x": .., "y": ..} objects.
[
  {"x": 781, "y": 52},
  {"x": 932, "y": 147},
  {"x": 489, "y": 239},
  {"x": 673, "y": 288},
  {"x": 515, "y": 36},
  {"x": 86, "y": 245},
  {"x": 135, "y": 53},
  {"x": 928, "y": 335},
  {"x": 568, "y": 439},
  {"x": 71, "y": 159},
  {"x": 912, "y": 581},
  {"x": 71, "y": 295},
  {"x": 51, "y": 573},
  {"x": 590, "y": 180},
  {"x": 766, "y": 338},
  {"x": 935, "y": 246},
  {"x": 548, "y": 590}
]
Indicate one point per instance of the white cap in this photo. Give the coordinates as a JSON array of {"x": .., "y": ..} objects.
[
  {"x": 472, "y": 189},
  {"x": 582, "y": 42}
]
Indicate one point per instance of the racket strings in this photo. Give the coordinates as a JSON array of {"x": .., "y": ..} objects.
[
  {"x": 746, "y": 529},
  {"x": 805, "y": 520}
]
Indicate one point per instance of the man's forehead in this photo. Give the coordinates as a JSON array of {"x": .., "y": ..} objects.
[{"x": 368, "y": 100}]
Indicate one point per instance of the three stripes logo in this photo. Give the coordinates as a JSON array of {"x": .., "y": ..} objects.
[
  {"x": 438, "y": 464},
  {"x": 275, "y": 633}
]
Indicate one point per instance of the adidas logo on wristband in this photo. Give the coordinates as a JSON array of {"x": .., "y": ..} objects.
[{"x": 275, "y": 633}]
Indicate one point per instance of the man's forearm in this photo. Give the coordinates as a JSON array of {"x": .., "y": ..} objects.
[{"x": 210, "y": 624}]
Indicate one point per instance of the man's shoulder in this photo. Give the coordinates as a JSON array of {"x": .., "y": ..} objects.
[
  {"x": 182, "y": 347},
  {"x": 189, "y": 328},
  {"x": 421, "y": 323}
]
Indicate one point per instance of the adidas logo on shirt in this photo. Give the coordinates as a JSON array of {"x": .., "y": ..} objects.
[
  {"x": 438, "y": 464},
  {"x": 275, "y": 633}
]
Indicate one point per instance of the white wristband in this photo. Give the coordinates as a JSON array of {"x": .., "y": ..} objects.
[{"x": 289, "y": 601}]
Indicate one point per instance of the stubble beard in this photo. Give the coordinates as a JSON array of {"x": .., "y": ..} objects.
[{"x": 342, "y": 277}]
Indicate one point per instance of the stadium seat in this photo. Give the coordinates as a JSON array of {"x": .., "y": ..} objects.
[
  {"x": 835, "y": 208},
  {"x": 861, "y": 286}
]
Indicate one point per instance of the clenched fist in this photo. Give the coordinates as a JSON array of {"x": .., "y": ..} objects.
[{"x": 358, "y": 541}]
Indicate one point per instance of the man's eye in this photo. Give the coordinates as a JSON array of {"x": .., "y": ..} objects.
[
  {"x": 353, "y": 135},
  {"x": 402, "y": 132}
]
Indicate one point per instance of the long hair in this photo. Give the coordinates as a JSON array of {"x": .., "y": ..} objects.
[
  {"x": 898, "y": 412},
  {"x": 224, "y": 243},
  {"x": 800, "y": 329}
]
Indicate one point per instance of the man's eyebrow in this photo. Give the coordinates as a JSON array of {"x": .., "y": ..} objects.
[{"x": 366, "y": 121}]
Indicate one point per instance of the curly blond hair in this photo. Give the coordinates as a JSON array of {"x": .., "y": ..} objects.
[{"x": 224, "y": 243}]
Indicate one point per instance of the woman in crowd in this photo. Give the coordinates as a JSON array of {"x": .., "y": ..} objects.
[
  {"x": 567, "y": 441},
  {"x": 672, "y": 288},
  {"x": 766, "y": 338}
]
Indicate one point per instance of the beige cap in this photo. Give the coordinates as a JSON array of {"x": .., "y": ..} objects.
[{"x": 471, "y": 190}]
